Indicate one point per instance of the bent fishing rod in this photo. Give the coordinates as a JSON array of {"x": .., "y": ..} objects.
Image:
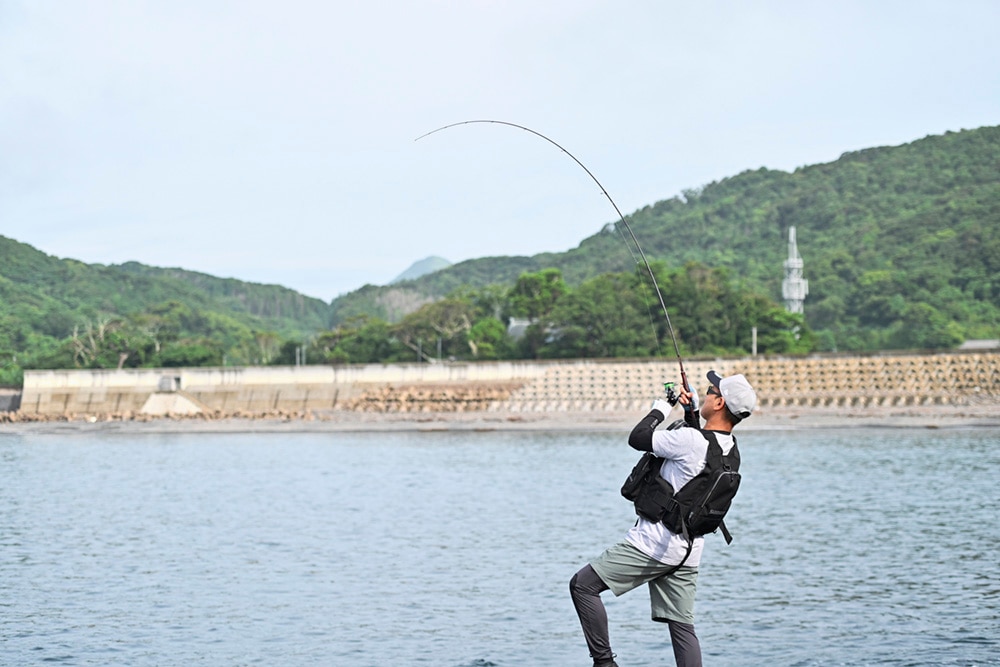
[{"x": 635, "y": 241}]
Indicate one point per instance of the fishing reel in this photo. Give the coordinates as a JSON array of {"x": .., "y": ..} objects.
[{"x": 670, "y": 389}]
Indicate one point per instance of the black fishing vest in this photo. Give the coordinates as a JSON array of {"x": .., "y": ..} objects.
[{"x": 700, "y": 506}]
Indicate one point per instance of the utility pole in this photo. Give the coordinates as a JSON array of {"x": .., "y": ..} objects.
[{"x": 794, "y": 288}]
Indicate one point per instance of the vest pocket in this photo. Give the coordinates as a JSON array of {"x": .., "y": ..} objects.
[{"x": 655, "y": 499}]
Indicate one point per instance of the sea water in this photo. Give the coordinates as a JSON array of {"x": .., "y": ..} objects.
[{"x": 853, "y": 547}]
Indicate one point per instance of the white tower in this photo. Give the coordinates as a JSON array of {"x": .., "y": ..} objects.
[{"x": 794, "y": 288}]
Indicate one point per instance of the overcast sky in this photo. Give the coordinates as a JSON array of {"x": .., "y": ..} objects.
[{"x": 274, "y": 141}]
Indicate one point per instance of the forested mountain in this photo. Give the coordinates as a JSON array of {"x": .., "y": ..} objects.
[
  {"x": 901, "y": 244},
  {"x": 901, "y": 248},
  {"x": 64, "y": 313},
  {"x": 285, "y": 310}
]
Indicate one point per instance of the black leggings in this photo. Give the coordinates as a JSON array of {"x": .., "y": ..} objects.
[{"x": 586, "y": 587}]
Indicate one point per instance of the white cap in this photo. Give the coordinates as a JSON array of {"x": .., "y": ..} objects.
[{"x": 739, "y": 395}]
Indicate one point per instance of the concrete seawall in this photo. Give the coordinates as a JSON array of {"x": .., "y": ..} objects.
[{"x": 821, "y": 382}]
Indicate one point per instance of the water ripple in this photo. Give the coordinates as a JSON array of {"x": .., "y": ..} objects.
[{"x": 852, "y": 548}]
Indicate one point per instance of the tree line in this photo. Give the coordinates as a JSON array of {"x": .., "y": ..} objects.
[{"x": 610, "y": 315}]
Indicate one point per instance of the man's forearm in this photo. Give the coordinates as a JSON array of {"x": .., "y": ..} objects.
[{"x": 641, "y": 437}]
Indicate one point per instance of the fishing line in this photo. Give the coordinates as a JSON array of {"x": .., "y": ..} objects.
[{"x": 628, "y": 227}]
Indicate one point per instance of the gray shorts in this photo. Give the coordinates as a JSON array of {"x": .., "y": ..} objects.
[{"x": 671, "y": 597}]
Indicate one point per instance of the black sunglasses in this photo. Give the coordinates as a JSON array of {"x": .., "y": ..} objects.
[{"x": 713, "y": 391}]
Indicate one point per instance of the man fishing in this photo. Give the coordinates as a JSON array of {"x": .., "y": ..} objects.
[{"x": 652, "y": 553}]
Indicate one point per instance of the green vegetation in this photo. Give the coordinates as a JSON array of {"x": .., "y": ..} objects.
[
  {"x": 609, "y": 315},
  {"x": 901, "y": 245},
  {"x": 61, "y": 313},
  {"x": 901, "y": 250}
]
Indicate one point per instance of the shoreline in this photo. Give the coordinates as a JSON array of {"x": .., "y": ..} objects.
[{"x": 765, "y": 419}]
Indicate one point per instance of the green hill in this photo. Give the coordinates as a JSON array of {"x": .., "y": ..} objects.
[
  {"x": 281, "y": 308},
  {"x": 64, "y": 313},
  {"x": 901, "y": 248},
  {"x": 901, "y": 244}
]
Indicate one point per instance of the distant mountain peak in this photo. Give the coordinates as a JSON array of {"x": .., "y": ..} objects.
[{"x": 421, "y": 268}]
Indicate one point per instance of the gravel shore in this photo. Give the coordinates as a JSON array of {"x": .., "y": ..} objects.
[{"x": 765, "y": 419}]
